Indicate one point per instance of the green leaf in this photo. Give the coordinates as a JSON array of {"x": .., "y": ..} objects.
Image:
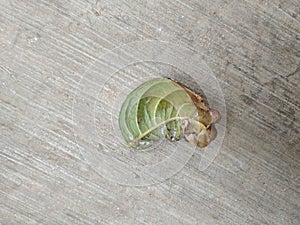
[{"x": 162, "y": 107}]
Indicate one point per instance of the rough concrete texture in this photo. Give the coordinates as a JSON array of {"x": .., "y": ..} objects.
[{"x": 47, "y": 47}]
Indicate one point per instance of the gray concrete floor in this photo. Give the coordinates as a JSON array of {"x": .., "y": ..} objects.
[{"x": 53, "y": 134}]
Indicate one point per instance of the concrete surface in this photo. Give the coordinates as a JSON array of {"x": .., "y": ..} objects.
[{"x": 47, "y": 47}]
